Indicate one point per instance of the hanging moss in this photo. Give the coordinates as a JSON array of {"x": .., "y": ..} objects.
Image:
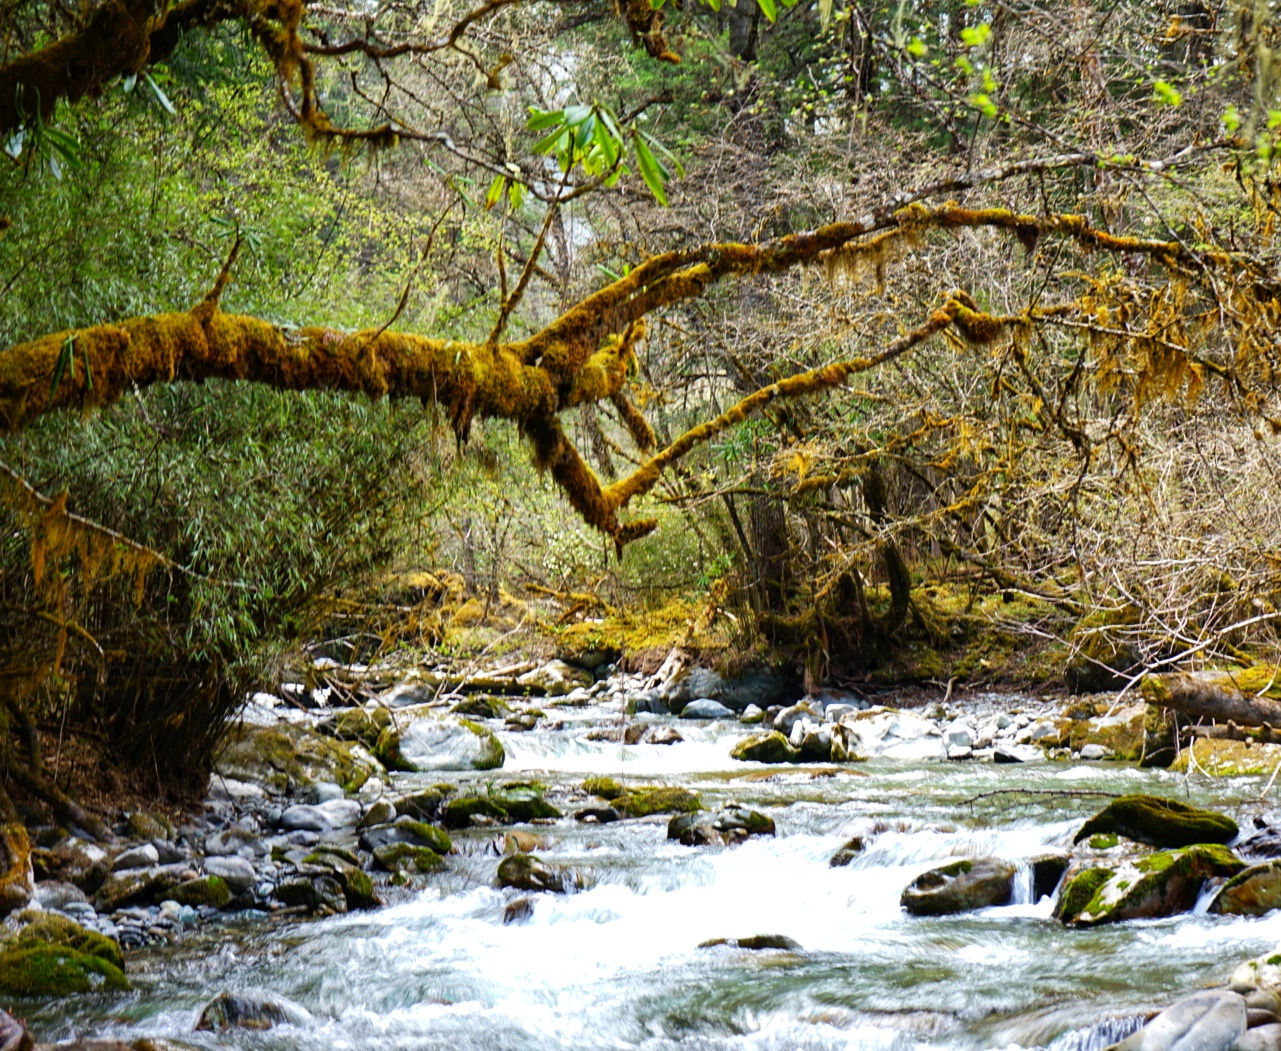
[{"x": 1159, "y": 822}]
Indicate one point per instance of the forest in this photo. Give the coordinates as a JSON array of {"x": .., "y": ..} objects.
[{"x": 716, "y": 410}]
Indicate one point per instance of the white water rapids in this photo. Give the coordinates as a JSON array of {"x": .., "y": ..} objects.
[{"x": 618, "y": 965}]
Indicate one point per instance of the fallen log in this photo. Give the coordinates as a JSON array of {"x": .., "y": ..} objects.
[{"x": 1249, "y": 697}]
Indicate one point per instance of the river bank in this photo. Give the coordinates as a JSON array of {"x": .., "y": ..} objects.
[{"x": 416, "y": 942}]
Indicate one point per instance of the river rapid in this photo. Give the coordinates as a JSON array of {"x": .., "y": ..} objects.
[{"x": 619, "y": 964}]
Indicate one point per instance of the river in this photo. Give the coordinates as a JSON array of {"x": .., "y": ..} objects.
[{"x": 618, "y": 965}]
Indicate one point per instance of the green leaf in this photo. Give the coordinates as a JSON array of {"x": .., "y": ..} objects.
[
  {"x": 608, "y": 145},
  {"x": 768, "y": 9},
  {"x": 575, "y": 115},
  {"x": 1167, "y": 93},
  {"x": 541, "y": 119},
  {"x": 88, "y": 371},
  {"x": 161, "y": 97},
  {"x": 825, "y": 11},
  {"x": 976, "y": 36},
  {"x": 516, "y": 194},
  {"x": 1231, "y": 119},
  {"x": 495, "y": 193},
  {"x": 549, "y": 142},
  {"x": 917, "y": 47},
  {"x": 60, "y": 366},
  {"x": 127, "y": 85},
  {"x": 651, "y": 171}
]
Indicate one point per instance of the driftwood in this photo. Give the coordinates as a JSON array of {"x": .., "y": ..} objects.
[{"x": 1248, "y": 698}]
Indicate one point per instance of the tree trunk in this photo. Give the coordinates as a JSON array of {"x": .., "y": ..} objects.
[{"x": 1222, "y": 695}]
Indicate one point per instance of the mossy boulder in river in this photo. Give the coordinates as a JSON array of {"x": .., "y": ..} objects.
[
  {"x": 285, "y": 756},
  {"x": 772, "y": 747},
  {"x": 49, "y": 930},
  {"x": 529, "y": 872},
  {"x": 406, "y": 857},
  {"x": 959, "y": 886},
  {"x": 249, "y": 1011},
  {"x": 204, "y": 890},
  {"x": 52, "y": 971},
  {"x": 1161, "y": 884},
  {"x": 1251, "y": 892},
  {"x": 424, "y": 739},
  {"x": 1159, "y": 822}
]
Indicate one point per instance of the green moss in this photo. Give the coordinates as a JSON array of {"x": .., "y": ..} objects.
[
  {"x": 204, "y": 890},
  {"x": 435, "y": 838},
  {"x": 1080, "y": 892},
  {"x": 771, "y": 747},
  {"x": 457, "y": 813},
  {"x": 1220, "y": 758},
  {"x": 1104, "y": 841},
  {"x": 357, "y": 724},
  {"x": 643, "y": 802},
  {"x": 406, "y": 857},
  {"x": 326, "y": 852},
  {"x": 528, "y": 806},
  {"x": 50, "y": 930},
  {"x": 49, "y": 972},
  {"x": 1159, "y": 822},
  {"x": 603, "y": 787}
]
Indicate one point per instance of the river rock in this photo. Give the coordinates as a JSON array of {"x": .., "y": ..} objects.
[
  {"x": 1262, "y": 975},
  {"x": 706, "y": 708},
  {"x": 556, "y": 678},
  {"x": 663, "y": 735},
  {"x": 210, "y": 891},
  {"x": 958, "y": 734},
  {"x": 786, "y": 720},
  {"x": 1121, "y": 735},
  {"x": 381, "y": 812},
  {"x": 529, "y": 872},
  {"x": 731, "y": 824},
  {"x": 249, "y": 1010},
  {"x": 50, "y": 931},
  {"x": 959, "y": 886},
  {"x": 1262, "y": 844},
  {"x": 1213, "y": 1020},
  {"x": 895, "y": 734},
  {"x": 849, "y": 850},
  {"x": 1252, "y": 892},
  {"x": 1047, "y": 872},
  {"x": 13, "y": 1034},
  {"x": 1016, "y": 753},
  {"x": 17, "y": 877},
  {"x": 428, "y": 740},
  {"x": 238, "y": 873},
  {"x": 86, "y": 865},
  {"x": 1265, "y": 1037},
  {"x": 50, "y": 972},
  {"x": 287, "y": 756},
  {"x": 772, "y": 747},
  {"x": 1161, "y": 884},
  {"x": 762, "y": 687},
  {"x": 407, "y": 857},
  {"x": 1160, "y": 822},
  {"x": 756, "y": 943},
  {"x": 55, "y": 894},
  {"x": 518, "y": 911},
  {"x": 140, "y": 857},
  {"x": 406, "y": 830}
]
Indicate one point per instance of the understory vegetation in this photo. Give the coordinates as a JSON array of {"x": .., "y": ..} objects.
[{"x": 887, "y": 342}]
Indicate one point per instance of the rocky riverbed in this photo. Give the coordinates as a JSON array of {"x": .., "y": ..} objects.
[{"x": 516, "y": 858}]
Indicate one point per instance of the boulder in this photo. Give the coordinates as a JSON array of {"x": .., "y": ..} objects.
[
  {"x": 423, "y": 805},
  {"x": 238, "y": 873},
  {"x": 287, "y": 756},
  {"x": 139, "y": 886},
  {"x": 555, "y": 679},
  {"x": 1047, "y": 872},
  {"x": 518, "y": 911},
  {"x": 1262, "y": 974},
  {"x": 529, "y": 872},
  {"x": 1213, "y": 1020},
  {"x": 959, "y": 886},
  {"x": 1160, "y": 822},
  {"x": 17, "y": 878},
  {"x": 249, "y": 1011},
  {"x": 1265, "y": 1037},
  {"x": 212, "y": 891},
  {"x": 762, "y": 687},
  {"x": 428, "y": 740},
  {"x": 848, "y": 851},
  {"x": 1251, "y": 892},
  {"x": 895, "y": 734},
  {"x": 1262, "y": 844},
  {"x": 786, "y": 720},
  {"x": 772, "y": 747},
  {"x": 357, "y": 887},
  {"x": 1161, "y": 884},
  {"x": 49, "y": 972},
  {"x": 730, "y": 824},
  {"x": 706, "y": 708},
  {"x": 463, "y": 812},
  {"x": 407, "y": 830},
  {"x": 49, "y": 931},
  {"x": 1121, "y": 735},
  {"x": 642, "y": 801},
  {"x": 407, "y": 857},
  {"x": 756, "y": 943}
]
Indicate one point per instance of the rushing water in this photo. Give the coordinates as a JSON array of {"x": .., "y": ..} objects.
[{"x": 618, "y": 965}]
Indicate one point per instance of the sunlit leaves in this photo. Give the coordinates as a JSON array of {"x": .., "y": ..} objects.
[{"x": 1167, "y": 93}]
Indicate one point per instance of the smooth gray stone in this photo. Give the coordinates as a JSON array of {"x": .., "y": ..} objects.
[
  {"x": 136, "y": 858},
  {"x": 1208, "y": 1021},
  {"x": 238, "y": 873},
  {"x": 303, "y": 817},
  {"x": 706, "y": 708},
  {"x": 1261, "y": 1038}
]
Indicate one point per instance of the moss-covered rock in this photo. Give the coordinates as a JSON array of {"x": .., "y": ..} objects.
[
  {"x": 249, "y": 1011},
  {"x": 48, "y": 972},
  {"x": 458, "y": 813},
  {"x": 426, "y": 835},
  {"x": 772, "y": 747},
  {"x": 136, "y": 887},
  {"x": 17, "y": 880},
  {"x": 1251, "y": 892},
  {"x": 1102, "y": 659},
  {"x": 482, "y": 706},
  {"x": 362, "y": 724},
  {"x": 1124, "y": 733},
  {"x": 960, "y": 886},
  {"x": 357, "y": 888},
  {"x": 50, "y": 930},
  {"x": 603, "y": 787},
  {"x": 143, "y": 824},
  {"x": 530, "y": 873},
  {"x": 642, "y": 802},
  {"x": 1220, "y": 758},
  {"x": 1159, "y": 822},
  {"x": 1161, "y": 884},
  {"x": 424, "y": 805},
  {"x": 204, "y": 890},
  {"x": 407, "y": 857},
  {"x": 424, "y": 739},
  {"x": 286, "y": 756}
]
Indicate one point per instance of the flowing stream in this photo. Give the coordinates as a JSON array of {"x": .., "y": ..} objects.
[{"x": 618, "y": 965}]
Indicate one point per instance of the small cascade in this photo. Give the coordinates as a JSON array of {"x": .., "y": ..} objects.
[
  {"x": 1104, "y": 1033},
  {"x": 1022, "y": 892}
]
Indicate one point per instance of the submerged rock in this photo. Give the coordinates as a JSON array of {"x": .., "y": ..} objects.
[
  {"x": 1161, "y": 884},
  {"x": 518, "y": 911},
  {"x": 1160, "y": 822},
  {"x": 959, "y": 886},
  {"x": 529, "y": 872},
  {"x": 1252, "y": 892},
  {"x": 1213, "y": 1020},
  {"x": 849, "y": 850},
  {"x": 756, "y": 943},
  {"x": 249, "y": 1011}
]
